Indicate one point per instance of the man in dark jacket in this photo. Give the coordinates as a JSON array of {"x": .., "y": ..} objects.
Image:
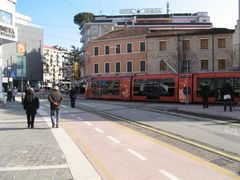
[
  {"x": 31, "y": 104},
  {"x": 205, "y": 93},
  {"x": 55, "y": 98},
  {"x": 73, "y": 96}
]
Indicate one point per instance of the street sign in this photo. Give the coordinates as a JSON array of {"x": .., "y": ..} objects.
[{"x": 12, "y": 74}]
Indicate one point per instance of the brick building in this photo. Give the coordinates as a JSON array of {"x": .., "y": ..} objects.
[
  {"x": 140, "y": 51},
  {"x": 118, "y": 52},
  {"x": 205, "y": 50}
]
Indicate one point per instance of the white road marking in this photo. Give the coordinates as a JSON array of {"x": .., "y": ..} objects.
[
  {"x": 88, "y": 123},
  {"x": 79, "y": 118},
  {"x": 99, "y": 130},
  {"x": 72, "y": 115},
  {"x": 168, "y": 174},
  {"x": 139, "y": 156},
  {"x": 24, "y": 168},
  {"x": 113, "y": 139}
]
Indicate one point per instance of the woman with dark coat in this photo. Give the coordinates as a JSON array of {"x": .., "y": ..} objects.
[
  {"x": 227, "y": 90},
  {"x": 31, "y": 104}
]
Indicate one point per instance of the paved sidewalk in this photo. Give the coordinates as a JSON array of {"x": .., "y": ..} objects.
[
  {"x": 36, "y": 153},
  {"x": 213, "y": 110}
]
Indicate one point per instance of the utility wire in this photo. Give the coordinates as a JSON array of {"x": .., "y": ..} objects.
[{"x": 71, "y": 5}]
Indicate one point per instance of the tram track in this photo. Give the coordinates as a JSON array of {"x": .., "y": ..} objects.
[{"x": 227, "y": 160}]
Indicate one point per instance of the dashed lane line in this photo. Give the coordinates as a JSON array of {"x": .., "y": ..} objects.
[
  {"x": 79, "y": 118},
  {"x": 139, "y": 156},
  {"x": 168, "y": 174},
  {"x": 88, "y": 123},
  {"x": 113, "y": 139},
  {"x": 99, "y": 130}
]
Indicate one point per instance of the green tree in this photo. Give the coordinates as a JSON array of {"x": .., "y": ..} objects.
[
  {"x": 74, "y": 57},
  {"x": 82, "y": 18}
]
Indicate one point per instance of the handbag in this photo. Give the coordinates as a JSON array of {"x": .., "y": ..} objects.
[{"x": 227, "y": 96}]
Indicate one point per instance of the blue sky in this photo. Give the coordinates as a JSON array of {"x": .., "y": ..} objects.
[{"x": 56, "y": 16}]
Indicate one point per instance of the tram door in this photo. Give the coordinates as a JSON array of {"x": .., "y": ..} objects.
[
  {"x": 153, "y": 89},
  {"x": 185, "y": 88}
]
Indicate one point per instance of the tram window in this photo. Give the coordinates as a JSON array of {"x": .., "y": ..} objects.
[
  {"x": 140, "y": 88},
  {"x": 110, "y": 88},
  {"x": 96, "y": 88},
  {"x": 210, "y": 82},
  {"x": 167, "y": 87},
  {"x": 237, "y": 87}
]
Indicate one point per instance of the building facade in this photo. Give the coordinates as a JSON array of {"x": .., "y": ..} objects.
[
  {"x": 103, "y": 24},
  {"x": 119, "y": 52},
  {"x": 209, "y": 50},
  {"x": 24, "y": 67},
  {"x": 8, "y": 31},
  {"x": 52, "y": 66},
  {"x": 140, "y": 51}
]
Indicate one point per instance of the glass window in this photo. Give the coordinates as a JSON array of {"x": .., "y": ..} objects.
[
  {"x": 140, "y": 87},
  {"x": 222, "y": 64},
  {"x": 5, "y": 17},
  {"x": 204, "y": 43},
  {"x": 204, "y": 64},
  {"x": 129, "y": 47},
  {"x": 118, "y": 49},
  {"x": 106, "y": 87},
  {"x": 162, "y": 45},
  {"x": 221, "y": 42},
  {"x": 142, "y": 66},
  {"x": 167, "y": 87},
  {"x": 210, "y": 82},
  {"x": 107, "y": 50},
  {"x": 107, "y": 68},
  {"x": 95, "y": 68},
  {"x": 163, "y": 66},
  {"x": 94, "y": 30},
  {"x": 118, "y": 67},
  {"x": 237, "y": 87},
  {"x": 129, "y": 66},
  {"x": 142, "y": 46},
  {"x": 96, "y": 51},
  {"x": 186, "y": 44}
]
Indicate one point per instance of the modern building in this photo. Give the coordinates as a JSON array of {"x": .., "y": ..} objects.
[
  {"x": 8, "y": 32},
  {"x": 52, "y": 66},
  {"x": 103, "y": 24},
  {"x": 22, "y": 60},
  {"x": 140, "y": 51}
]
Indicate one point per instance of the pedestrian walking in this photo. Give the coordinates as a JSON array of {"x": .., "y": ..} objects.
[
  {"x": 73, "y": 96},
  {"x": 14, "y": 94},
  {"x": 205, "y": 90},
  {"x": 31, "y": 104},
  {"x": 9, "y": 95},
  {"x": 55, "y": 98},
  {"x": 227, "y": 95}
]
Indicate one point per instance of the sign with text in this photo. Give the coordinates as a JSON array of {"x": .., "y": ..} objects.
[{"x": 141, "y": 11}]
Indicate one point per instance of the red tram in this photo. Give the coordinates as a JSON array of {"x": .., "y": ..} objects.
[{"x": 162, "y": 87}]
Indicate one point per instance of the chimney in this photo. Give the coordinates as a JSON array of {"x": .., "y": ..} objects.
[{"x": 126, "y": 26}]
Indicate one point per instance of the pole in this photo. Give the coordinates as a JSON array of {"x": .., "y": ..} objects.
[
  {"x": 22, "y": 78},
  {"x": 187, "y": 96}
]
